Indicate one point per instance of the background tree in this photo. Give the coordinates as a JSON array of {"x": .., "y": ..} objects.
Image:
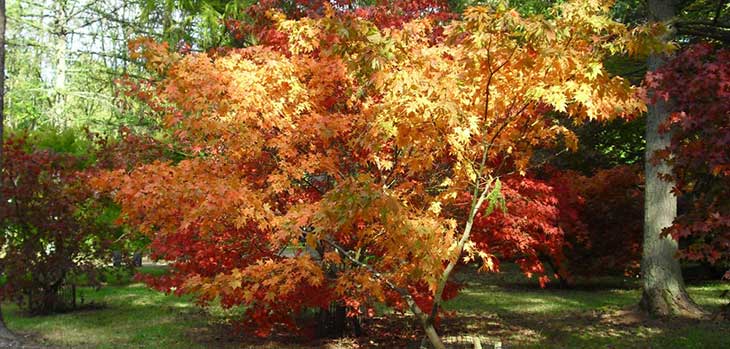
[
  {"x": 664, "y": 291},
  {"x": 58, "y": 73},
  {"x": 697, "y": 152},
  {"x": 563, "y": 224},
  {"x": 65, "y": 58},
  {"x": 201, "y": 24},
  {"x": 5, "y": 334},
  {"x": 52, "y": 232}
]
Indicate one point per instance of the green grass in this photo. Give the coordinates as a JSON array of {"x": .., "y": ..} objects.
[
  {"x": 134, "y": 316},
  {"x": 131, "y": 316},
  {"x": 511, "y": 292},
  {"x": 499, "y": 306},
  {"x": 528, "y": 317}
]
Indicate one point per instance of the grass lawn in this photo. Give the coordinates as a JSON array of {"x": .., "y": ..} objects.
[
  {"x": 594, "y": 315},
  {"x": 495, "y": 306},
  {"x": 133, "y": 316}
]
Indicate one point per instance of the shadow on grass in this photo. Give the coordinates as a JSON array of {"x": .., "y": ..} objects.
[
  {"x": 139, "y": 317},
  {"x": 521, "y": 317},
  {"x": 589, "y": 329},
  {"x": 516, "y": 310},
  {"x": 134, "y": 316},
  {"x": 596, "y": 330}
]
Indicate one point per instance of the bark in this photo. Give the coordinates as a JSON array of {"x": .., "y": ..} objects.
[
  {"x": 426, "y": 323},
  {"x": 2, "y": 78},
  {"x": 60, "y": 34},
  {"x": 664, "y": 290},
  {"x": 480, "y": 195}
]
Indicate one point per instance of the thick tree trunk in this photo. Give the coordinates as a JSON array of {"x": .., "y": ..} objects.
[{"x": 664, "y": 291}]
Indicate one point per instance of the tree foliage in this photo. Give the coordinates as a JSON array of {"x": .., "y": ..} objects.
[
  {"x": 698, "y": 82},
  {"x": 564, "y": 225},
  {"x": 533, "y": 228},
  {"x": 49, "y": 223},
  {"x": 259, "y": 27},
  {"x": 609, "y": 207},
  {"x": 331, "y": 165}
]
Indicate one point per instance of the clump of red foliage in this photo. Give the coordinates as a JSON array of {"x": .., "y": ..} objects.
[
  {"x": 383, "y": 13},
  {"x": 611, "y": 212},
  {"x": 576, "y": 225},
  {"x": 49, "y": 225}
]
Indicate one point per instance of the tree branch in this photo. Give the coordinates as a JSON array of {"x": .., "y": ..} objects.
[
  {"x": 402, "y": 291},
  {"x": 718, "y": 10},
  {"x": 723, "y": 36}
]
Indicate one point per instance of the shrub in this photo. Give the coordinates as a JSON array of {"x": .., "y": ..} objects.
[{"x": 49, "y": 225}]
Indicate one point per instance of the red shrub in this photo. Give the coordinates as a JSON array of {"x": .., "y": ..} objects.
[{"x": 50, "y": 230}]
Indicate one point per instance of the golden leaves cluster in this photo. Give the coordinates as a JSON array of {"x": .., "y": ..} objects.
[{"x": 370, "y": 136}]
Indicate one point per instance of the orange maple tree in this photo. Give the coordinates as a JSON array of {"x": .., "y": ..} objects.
[{"x": 349, "y": 163}]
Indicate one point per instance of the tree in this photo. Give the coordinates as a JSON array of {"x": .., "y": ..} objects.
[
  {"x": 533, "y": 228},
  {"x": 664, "y": 292},
  {"x": 51, "y": 227},
  {"x": 350, "y": 162},
  {"x": 64, "y": 58},
  {"x": 201, "y": 24},
  {"x": 258, "y": 28},
  {"x": 5, "y": 334},
  {"x": 696, "y": 82},
  {"x": 50, "y": 42}
]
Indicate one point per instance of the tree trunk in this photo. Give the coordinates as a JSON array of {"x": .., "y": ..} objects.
[
  {"x": 5, "y": 334},
  {"x": 117, "y": 258},
  {"x": 433, "y": 336},
  {"x": 664, "y": 291},
  {"x": 60, "y": 32}
]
